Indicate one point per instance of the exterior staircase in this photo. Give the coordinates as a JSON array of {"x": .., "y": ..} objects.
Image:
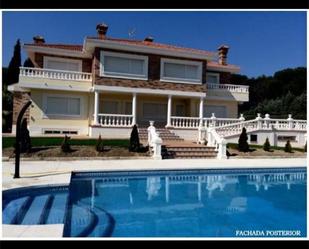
[
  {"x": 165, "y": 134},
  {"x": 174, "y": 147},
  {"x": 182, "y": 151}
]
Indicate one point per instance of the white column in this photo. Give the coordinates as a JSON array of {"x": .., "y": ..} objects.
[
  {"x": 169, "y": 110},
  {"x": 96, "y": 107},
  {"x": 201, "y": 112},
  {"x": 134, "y": 109}
]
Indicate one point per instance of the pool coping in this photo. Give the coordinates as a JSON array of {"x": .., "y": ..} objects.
[{"x": 66, "y": 168}]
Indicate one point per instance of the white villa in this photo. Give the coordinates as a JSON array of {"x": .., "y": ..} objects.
[{"x": 107, "y": 85}]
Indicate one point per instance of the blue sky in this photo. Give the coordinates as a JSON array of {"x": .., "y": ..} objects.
[{"x": 260, "y": 42}]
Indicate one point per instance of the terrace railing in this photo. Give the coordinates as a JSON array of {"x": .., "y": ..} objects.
[
  {"x": 54, "y": 74},
  {"x": 115, "y": 120},
  {"x": 262, "y": 124},
  {"x": 228, "y": 87},
  {"x": 195, "y": 122},
  {"x": 215, "y": 134}
]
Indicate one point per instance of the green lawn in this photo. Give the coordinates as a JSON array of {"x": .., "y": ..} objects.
[
  {"x": 235, "y": 146},
  {"x": 56, "y": 141}
]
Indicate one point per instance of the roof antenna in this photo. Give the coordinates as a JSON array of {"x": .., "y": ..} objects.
[{"x": 132, "y": 32}]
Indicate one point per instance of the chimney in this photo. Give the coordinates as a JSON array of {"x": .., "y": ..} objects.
[
  {"x": 38, "y": 39},
  {"x": 149, "y": 39},
  {"x": 222, "y": 52},
  {"x": 102, "y": 30}
]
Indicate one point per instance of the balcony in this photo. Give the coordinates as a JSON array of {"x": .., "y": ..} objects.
[
  {"x": 43, "y": 78},
  {"x": 54, "y": 74},
  {"x": 228, "y": 92}
]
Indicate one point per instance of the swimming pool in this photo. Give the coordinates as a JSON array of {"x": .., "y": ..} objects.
[{"x": 194, "y": 203}]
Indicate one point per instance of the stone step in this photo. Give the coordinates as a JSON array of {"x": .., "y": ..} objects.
[
  {"x": 194, "y": 157},
  {"x": 146, "y": 133},
  {"x": 169, "y": 148},
  {"x": 187, "y": 151},
  {"x": 165, "y": 134},
  {"x": 190, "y": 153}
]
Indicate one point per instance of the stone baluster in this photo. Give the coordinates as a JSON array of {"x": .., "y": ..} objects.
[
  {"x": 291, "y": 122},
  {"x": 267, "y": 120},
  {"x": 259, "y": 120},
  {"x": 213, "y": 120}
]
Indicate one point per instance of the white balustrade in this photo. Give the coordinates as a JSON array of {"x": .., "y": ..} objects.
[
  {"x": 194, "y": 122},
  {"x": 228, "y": 87},
  {"x": 54, "y": 74},
  {"x": 214, "y": 139},
  {"x": 115, "y": 120},
  {"x": 185, "y": 122},
  {"x": 261, "y": 124}
]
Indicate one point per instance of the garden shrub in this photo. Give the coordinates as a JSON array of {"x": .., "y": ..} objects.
[
  {"x": 288, "y": 147},
  {"x": 243, "y": 141},
  {"x": 266, "y": 145},
  {"x": 65, "y": 145},
  {"x": 134, "y": 145},
  {"x": 99, "y": 146}
]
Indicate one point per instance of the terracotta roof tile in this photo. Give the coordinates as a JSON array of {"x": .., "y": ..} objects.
[
  {"x": 75, "y": 47},
  {"x": 152, "y": 84},
  {"x": 59, "y": 46},
  {"x": 157, "y": 45}
]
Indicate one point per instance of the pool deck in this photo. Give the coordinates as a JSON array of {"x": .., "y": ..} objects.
[{"x": 59, "y": 172}]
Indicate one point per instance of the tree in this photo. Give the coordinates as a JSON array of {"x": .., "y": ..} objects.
[
  {"x": 278, "y": 95},
  {"x": 7, "y": 103},
  {"x": 65, "y": 145},
  {"x": 99, "y": 145},
  {"x": 288, "y": 147},
  {"x": 266, "y": 145},
  {"x": 134, "y": 140},
  {"x": 25, "y": 137},
  {"x": 242, "y": 141},
  {"x": 28, "y": 63},
  {"x": 15, "y": 63}
]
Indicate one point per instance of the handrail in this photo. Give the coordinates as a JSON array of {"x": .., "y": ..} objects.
[
  {"x": 114, "y": 115},
  {"x": 52, "y": 70},
  {"x": 230, "y": 87},
  {"x": 54, "y": 74},
  {"x": 115, "y": 120}
]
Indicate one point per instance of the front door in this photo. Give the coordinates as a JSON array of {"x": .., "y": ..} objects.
[{"x": 154, "y": 111}]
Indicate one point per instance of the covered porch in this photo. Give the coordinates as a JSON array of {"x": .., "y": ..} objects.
[{"x": 122, "y": 109}]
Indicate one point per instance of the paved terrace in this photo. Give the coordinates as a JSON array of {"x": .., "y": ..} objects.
[{"x": 59, "y": 172}]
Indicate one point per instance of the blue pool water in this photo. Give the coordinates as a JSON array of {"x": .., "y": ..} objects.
[{"x": 197, "y": 203}]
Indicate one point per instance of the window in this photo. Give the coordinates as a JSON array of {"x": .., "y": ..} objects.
[
  {"x": 213, "y": 78},
  {"x": 73, "y": 132},
  {"x": 219, "y": 111},
  {"x": 109, "y": 107},
  {"x": 253, "y": 138},
  {"x": 62, "y": 64},
  {"x": 181, "y": 71},
  {"x": 69, "y": 106},
  {"x": 124, "y": 65},
  {"x": 286, "y": 138},
  {"x": 128, "y": 108}
]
